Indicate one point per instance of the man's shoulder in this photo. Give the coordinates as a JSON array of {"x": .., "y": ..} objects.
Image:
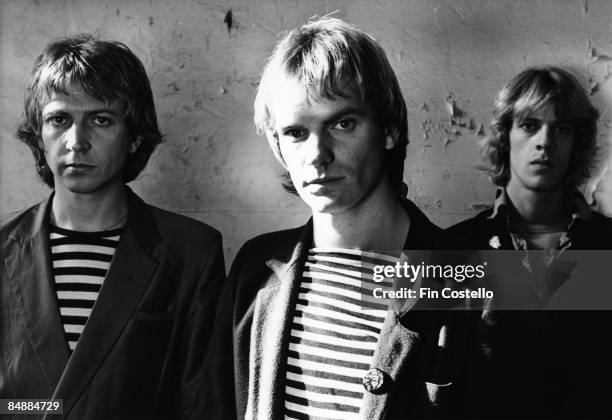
[
  {"x": 9, "y": 221},
  {"x": 595, "y": 233},
  {"x": 264, "y": 246},
  {"x": 424, "y": 234},
  {"x": 250, "y": 271},
  {"x": 476, "y": 231},
  {"x": 473, "y": 224},
  {"x": 169, "y": 222},
  {"x": 176, "y": 229},
  {"x": 601, "y": 220}
]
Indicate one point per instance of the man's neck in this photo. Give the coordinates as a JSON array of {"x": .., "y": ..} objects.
[
  {"x": 93, "y": 212},
  {"x": 538, "y": 207},
  {"x": 378, "y": 223}
]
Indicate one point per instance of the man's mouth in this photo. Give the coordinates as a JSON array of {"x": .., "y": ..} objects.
[
  {"x": 543, "y": 162},
  {"x": 78, "y": 165},
  {"x": 323, "y": 180}
]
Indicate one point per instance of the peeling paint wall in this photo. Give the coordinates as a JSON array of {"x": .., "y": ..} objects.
[{"x": 451, "y": 58}]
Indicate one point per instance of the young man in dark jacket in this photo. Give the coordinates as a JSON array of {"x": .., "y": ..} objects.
[
  {"x": 299, "y": 332},
  {"x": 544, "y": 363},
  {"x": 106, "y": 302}
]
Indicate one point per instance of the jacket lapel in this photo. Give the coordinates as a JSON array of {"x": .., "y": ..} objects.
[
  {"x": 392, "y": 352},
  {"x": 29, "y": 270},
  {"x": 398, "y": 346},
  {"x": 127, "y": 279},
  {"x": 271, "y": 329}
]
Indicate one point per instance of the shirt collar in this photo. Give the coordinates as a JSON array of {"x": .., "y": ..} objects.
[
  {"x": 501, "y": 204},
  {"x": 576, "y": 202}
]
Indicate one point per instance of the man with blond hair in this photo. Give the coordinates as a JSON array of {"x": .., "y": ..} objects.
[
  {"x": 543, "y": 363},
  {"x": 298, "y": 332}
]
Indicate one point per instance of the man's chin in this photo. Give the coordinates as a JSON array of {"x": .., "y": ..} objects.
[
  {"x": 320, "y": 204},
  {"x": 84, "y": 187},
  {"x": 544, "y": 190},
  {"x": 546, "y": 186},
  {"x": 77, "y": 187}
]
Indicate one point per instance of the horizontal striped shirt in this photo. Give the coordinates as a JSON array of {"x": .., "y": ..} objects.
[
  {"x": 335, "y": 330},
  {"x": 80, "y": 263}
]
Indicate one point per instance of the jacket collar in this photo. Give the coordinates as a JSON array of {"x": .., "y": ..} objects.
[
  {"x": 29, "y": 270},
  {"x": 292, "y": 252},
  {"x": 34, "y": 223},
  {"x": 576, "y": 203},
  {"x": 29, "y": 267},
  {"x": 274, "y": 308},
  {"x": 271, "y": 325},
  {"x": 503, "y": 238},
  {"x": 295, "y": 249},
  {"x": 126, "y": 281},
  {"x": 140, "y": 222}
]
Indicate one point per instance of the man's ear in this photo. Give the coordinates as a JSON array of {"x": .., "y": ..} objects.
[
  {"x": 134, "y": 145},
  {"x": 391, "y": 137},
  {"x": 272, "y": 137}
]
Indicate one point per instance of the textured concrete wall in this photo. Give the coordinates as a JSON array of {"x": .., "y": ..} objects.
[{"x": 450, "y": 56}]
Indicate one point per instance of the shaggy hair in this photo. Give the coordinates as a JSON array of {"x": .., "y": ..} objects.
[
  {"x": 528, "y": 92},
  {"x": 332, "y": 58},
  {"x": 106, "y": 71}
]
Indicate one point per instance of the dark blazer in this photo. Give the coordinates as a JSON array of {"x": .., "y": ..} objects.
[
  {"x": 543, "y": 364},
  {"x": 422, "y": 353},
  {"x": 141, "y": 353}
]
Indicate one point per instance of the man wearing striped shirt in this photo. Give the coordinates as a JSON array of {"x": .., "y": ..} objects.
[
  {"x": 298, "y": 331},
  {"x": 105, "y": 302}
]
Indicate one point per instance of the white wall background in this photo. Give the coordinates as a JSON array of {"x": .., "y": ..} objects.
[{"x": 214, "y": 168}]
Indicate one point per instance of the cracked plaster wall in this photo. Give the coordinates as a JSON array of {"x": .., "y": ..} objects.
[{"x": 451, "y": 58}]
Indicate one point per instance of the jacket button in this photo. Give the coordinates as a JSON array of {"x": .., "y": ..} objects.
[{"x": 373, "y": 381}]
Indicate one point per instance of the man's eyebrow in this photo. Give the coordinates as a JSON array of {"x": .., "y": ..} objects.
[
  {"x": 347, "y": 110},
  {"x": 54, "y": 111},
  {"x": 528, "y": 118},
  {"x": 291, "y": 126},
  {"x": 564, "y": 121},
  {"x": 106, "y": 110},
  {"x": 88, "y": 112},
  {"x": 102, "y": 111}
]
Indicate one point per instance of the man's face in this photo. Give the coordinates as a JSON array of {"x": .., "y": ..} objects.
[
  {"x": 333, "y": 148},
  {"x": 85, "y": 141},
  {"x": 540, "y": 151}
]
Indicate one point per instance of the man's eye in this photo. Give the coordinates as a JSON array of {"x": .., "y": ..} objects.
[
  {"x": 565, "y": 129},
  {"x": 57, "y": 120},
  {"x": 295, "y": 132},
  {"x": 102, "y": 121},
  {"x": 529, "y": 127},
  {"x": 344, "y": 125}
]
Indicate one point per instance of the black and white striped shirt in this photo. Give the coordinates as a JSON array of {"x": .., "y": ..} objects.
[
  {"x": 80, "y": 263},
  {"x": 335, "y": 330}
]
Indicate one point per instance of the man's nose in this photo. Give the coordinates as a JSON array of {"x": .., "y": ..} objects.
[
  {"x": 319, "y": 150},
  {"x": 76, "y": 138},
  {"x": 546, "y": 138}
]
